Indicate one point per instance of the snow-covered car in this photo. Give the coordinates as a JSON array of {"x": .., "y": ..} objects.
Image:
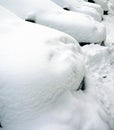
[
  {"x": 103, "y": 3},
  {"x": 80, "y": 6},
  {"x": 37, "y": 66},
  {"x": 80, "y": 26}
]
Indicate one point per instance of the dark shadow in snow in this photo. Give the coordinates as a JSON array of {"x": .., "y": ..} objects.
[
  {"x": 30, "y": 20},
  {"x": 1, "y": 126},
  {"x": 88, "y": 43},
  {"x": 92, "y": 1},
  {"x": 66, "y": 8},
  {"x": 105, "y": 12},
  {"x": 104, "y": 76},
  {"x": 84, "y": 43},
  {"x": 102, "y": 43},
  {"x": 82, "y": 85}
]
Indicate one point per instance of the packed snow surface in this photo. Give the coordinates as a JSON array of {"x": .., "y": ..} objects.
[{"x": 82, "y": 27}]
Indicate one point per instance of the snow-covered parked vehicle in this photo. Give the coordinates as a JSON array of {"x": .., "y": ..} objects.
[
  {"x": 80, "y": 26},
  {"x": 82, "y": 7},
  {"x": 38, "y": 65},
  {"x": 103, "y": 3}
]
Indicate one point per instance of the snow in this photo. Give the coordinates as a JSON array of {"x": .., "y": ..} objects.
[
  {"x": 35, "y": 70},
  {"x": 103, "y": 3},
  {"x": 80, "y": 6},
  {"x": 99, "y": 77},
  {"x": 82, "y": 27},
  {"x": 111, "y": 7},
  {"x": 109, "y": 24},
  {"x": 41, "y": 70},
  {"x": 93, "y": 5}
]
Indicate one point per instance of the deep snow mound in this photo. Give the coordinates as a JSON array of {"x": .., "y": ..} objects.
[{"x": 38, "y": 65}]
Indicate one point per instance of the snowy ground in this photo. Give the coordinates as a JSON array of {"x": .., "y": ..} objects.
[
  {"x": 99, "y": 77},
  {"x": 91, "y": 109}
]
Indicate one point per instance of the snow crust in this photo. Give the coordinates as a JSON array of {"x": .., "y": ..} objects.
[{"x": 82, "y": 27}]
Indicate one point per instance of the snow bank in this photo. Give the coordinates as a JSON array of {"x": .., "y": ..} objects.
[
  {"x": 38, "y": 65},
  {"x": 80, "y": 26},
  {"x": 100, "y": 78},
  {"x": 40, "y": 71}
]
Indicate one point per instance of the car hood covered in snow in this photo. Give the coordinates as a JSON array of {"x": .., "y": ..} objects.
[{"x": 82, "y": 27}]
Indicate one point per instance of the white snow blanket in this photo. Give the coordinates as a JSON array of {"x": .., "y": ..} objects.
[
  {"x": 40, "y": 71},
  {"x": 82, "y": 27},
  {"x": 38, "y": 65}
]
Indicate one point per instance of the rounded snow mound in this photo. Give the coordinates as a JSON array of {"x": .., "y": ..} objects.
[{"x": 38, "y": 65}]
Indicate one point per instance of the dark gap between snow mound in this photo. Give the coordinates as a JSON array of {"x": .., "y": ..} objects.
[
  {"x": 82, "y": 85},
  {"x": 84, "y": 43},
  {"x": 66, "y": 8},
  {"x": 92, "y": 1},
  {"x": 1, "y": 125},
  {"x": 30, "y": 20},
  {"x": 105, "y": 12}
]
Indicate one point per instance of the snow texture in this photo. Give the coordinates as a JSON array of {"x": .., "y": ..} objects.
[{"x": 99, "y": 78}]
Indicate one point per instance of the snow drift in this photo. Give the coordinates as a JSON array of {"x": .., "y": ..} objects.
[{"x": 40, "y": 71}]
